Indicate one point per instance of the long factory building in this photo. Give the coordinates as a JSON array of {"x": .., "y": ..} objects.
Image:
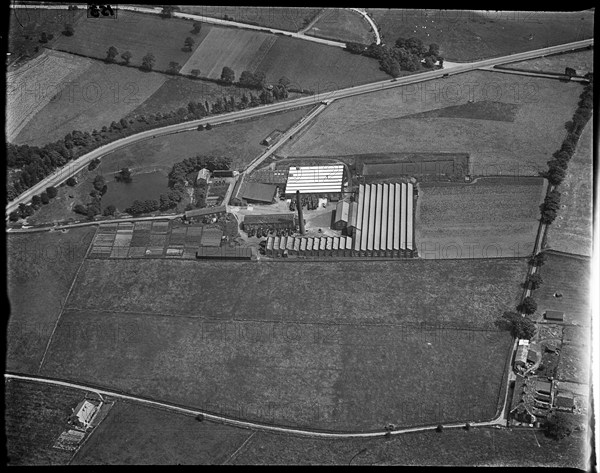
[
  {"x": 384, "y": 220},
  {"x": 382, "y": 226}
]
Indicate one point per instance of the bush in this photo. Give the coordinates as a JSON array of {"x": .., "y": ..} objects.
[{"x": 439, "y": 428}]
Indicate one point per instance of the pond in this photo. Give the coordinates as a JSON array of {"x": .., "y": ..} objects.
[{"x": 144, "y": 186}]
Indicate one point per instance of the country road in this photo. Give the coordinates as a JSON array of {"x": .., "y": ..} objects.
[
  {"x": 237, "y": 422},
  {"x": 73, "y": 167}
]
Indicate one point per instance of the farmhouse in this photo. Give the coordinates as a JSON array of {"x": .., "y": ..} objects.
[
  {"x": 271, "y": 138},
  {"x": 384, "y": 220},
  {"x": 554, "y": 315},
  {"x": 315, "y": 179},
  {"x": 84, "y": 413},
  {"x": 203, "y": 176},
  {"x": 198, "y": 213},
  {"x": 521, "y": 355}
]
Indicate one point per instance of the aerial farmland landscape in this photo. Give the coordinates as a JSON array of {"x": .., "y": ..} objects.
[{"x": 251, "y": 235}]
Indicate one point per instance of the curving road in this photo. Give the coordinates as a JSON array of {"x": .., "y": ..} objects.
[
  {"x": 72, "y": 168},
  {"x": 371, "y": 22},
  {"x": 236, "y": 422}
]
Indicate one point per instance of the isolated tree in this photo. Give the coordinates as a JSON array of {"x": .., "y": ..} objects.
[
  {"x": 528, "y": 306},
  {"x": 99, "y": 182},
  {"x": 109, "y": 210},
  {"x": 52, "y": 192},
  {"x": 208, "y": 126},
  {"x": 68, "y": 31},
  {"x": 148, "y": 62},
  {"x": 111, "y": 54},
  {"x": 43, "y": 37},
  {"x": 167, "y": 11},
  {"x": 173, "y": 67},
  {"x": 124, "y": 175},
  {"x": 44, "y": 197},
  {"x": 227, "y": 75},
  {"x": 196, "y": 28},
  {"x": 36, "y": 201},
  {"x": 13, "y": 216},
  {"x": 517, "y": 325},
  {"x": 284, "y": 81},
  {"x": 195, "y": 72},
  {"x": 126, "y": 56},
  {"x": 188, "y": 44},
  {"x": 434, "y": 49},
  {"x": 535, "y": 281},
  {"x": 439, "y": 428},
  {"x": 559, "y": 425},
  {"x": 71, "y": 181},
  {"x": 538, "y": 260}
]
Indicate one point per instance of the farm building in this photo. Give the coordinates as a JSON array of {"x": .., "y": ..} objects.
[
  {"x": 521, "y": 355},
  {"x": 543, "y": 387},
  {"x": 199, "y": 213},
  {"x": 256, "y": 192},
  {"x": 203, "y": 175},
  {"x": 272, "y": 221},
  {"x": 272, "y": 138},
  {"x": 345, "y": 215},
  {"x": 384, "y": 220},
  {"x": 315, "y": 179},
  {"x": 564, "y": 401},
  {"x": 223, "y": 173},
  {"x": 554, "y": 315},
  {"x": 85, "y": 412},
  {"x": 224, "y": 252}
]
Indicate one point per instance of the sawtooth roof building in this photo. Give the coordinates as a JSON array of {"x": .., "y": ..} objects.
[{"x": 315, "y": 179}]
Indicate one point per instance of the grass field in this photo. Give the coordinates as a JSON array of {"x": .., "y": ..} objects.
[
  {"x": 456, "y": 447},
  {"x": 238, "y": 49},
  {"x": 381, "y": 122},
  {"x": 569, "y": 276},
  {"x": 137, "y": 435},
  {"x": 338, "y": 359},
  {"x": 575, "y": 360},
  {"x": 582, "y": 60},
  {"x": 283, "y": 18},
  {"x": 96, "y": 96},
  {"x": 318, "y": 67},
  {"x": 239, "y": 141},
  {"x": 40, "y": 270},
  {"x": 343, "y": 25},
  {"x": 35, "y": 416},
  {"x": 33, "y": 86},
  {"x": 571, "y": 232},
  {"x": 494, "y": 217},
  {"x": 468, "y": 35},
  {"x": 135, "y": 32}
]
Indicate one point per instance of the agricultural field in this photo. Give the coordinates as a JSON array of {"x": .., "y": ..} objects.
[
  {"x": 93, "y": 98},
  {"x": 455, "y": 447},
  {"x": 581, "y": 60},
  {"x": 26, "y": 26},
  {"x": 529, "y": 115},
  {"x": 569, "y": 276},
  {"x": 465, "y": 36},
  {"x": 135, "y": 32},
  {"x": 490, "y": 218},
  {"x": 318, "y": 67},
  {"x": 283, "y": 18},
  {"x": 262, "y": 355},
  {"x": 34, "y": 85},
  {"x": 40, "y": 270},
  {"x": 575, "y": 361},
  {"x": 238, "y": 49},
  {"x": 571, "y": 232},
  {"x": 133, "y": 434},
  {"x": 35, "y": 416},
  {"x": 342, "y": 25},
  {"x": 239, "y": 141}
]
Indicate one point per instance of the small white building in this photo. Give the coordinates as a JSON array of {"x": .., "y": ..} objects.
[{"x": 85, "y": 412}]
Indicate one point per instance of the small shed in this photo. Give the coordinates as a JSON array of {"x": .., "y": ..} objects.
[
  {"x": 564, "y": 401},
  {"x": 554, "y": 315}
]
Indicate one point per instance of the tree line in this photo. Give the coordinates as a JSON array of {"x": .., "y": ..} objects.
[{"x": 407, "y": 54}]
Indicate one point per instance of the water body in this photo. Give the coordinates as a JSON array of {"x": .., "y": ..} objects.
[{"x": 144, "y": 186}]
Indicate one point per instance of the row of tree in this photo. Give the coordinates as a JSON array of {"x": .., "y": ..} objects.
[
  {"x": 407, "y": 54},
  {"x": 37, "y": 201},
  {"x": 557, "y": 166}
]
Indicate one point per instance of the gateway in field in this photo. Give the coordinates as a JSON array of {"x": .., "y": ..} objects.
[{"x": 315, "y": 179}]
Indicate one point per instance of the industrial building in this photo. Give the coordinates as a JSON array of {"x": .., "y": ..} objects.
[
  {"x": 224, "y": 252},
  {"x": 345, "y": 216},
  {"x": 271, "y": 221},
  {"x": 307, "y": 246},
  {"x": 315, "y": 179},
  {"x": 384, "y": 220}
]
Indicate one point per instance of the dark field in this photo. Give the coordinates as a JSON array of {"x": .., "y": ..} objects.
[
  {"x": 35, "y": 416},
  {"x": 138, "y": 435},
  {"x": 40, "y": 270}
]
